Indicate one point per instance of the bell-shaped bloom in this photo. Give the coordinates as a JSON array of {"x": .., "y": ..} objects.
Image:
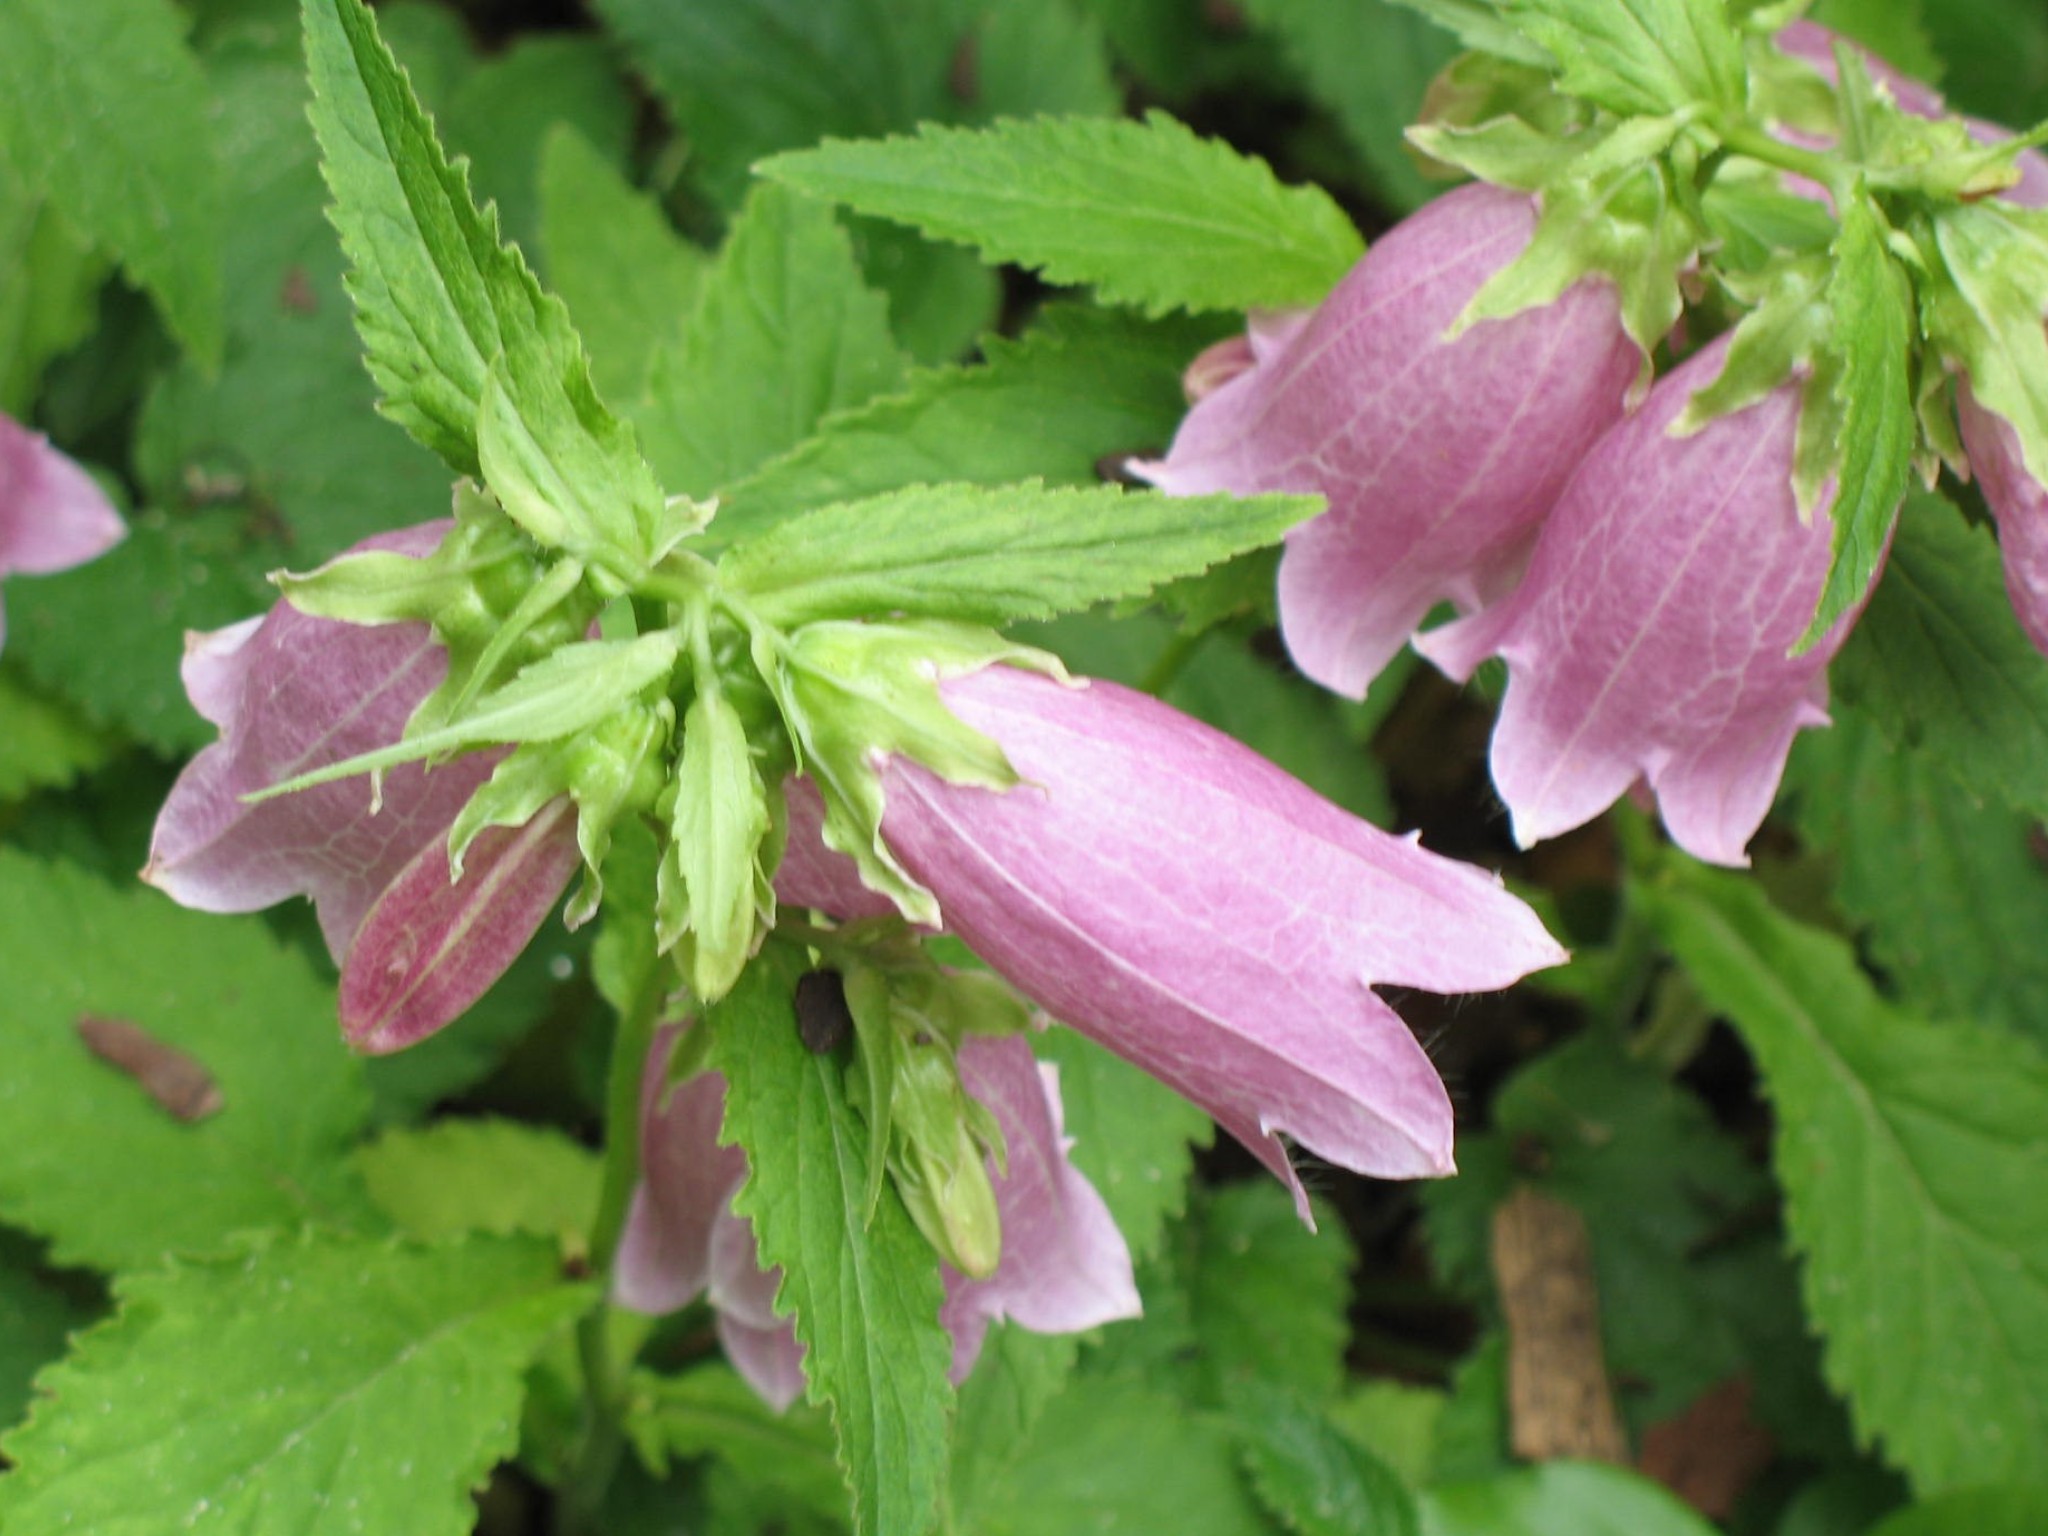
[
  {"x": 1438, "y": 458},
  {"x": 291, "y": 693},
  {"x": 52, "y": 516},
  {"x": 1650, "y": 638},
  {"x": 2018, "y": 502},
  {"x": 1171, "y": 894},
  {"x": 1064, "y": 1264}
]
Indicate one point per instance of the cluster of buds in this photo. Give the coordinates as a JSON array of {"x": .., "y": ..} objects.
[{"x": 1653, "y": 566}]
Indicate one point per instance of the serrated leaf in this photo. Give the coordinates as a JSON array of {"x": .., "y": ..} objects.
[
  {"x": 1906, "y": 839},
  {"x": 711, "y": 871},
  {"x": 784, "y": 332},
  {"x": 863, "y": 1288},
  {"x": 43, "y": 745},
  {"x": 1479, "y": 25},
  {"x": 92, "y": 1162},
  {"x": 37, "y": 1314},
  {"x": 1080, "y": 387},
  {"x": 1314, "y": 1479},
  {"x": 49, "y": 278},
  {"x": 1981, "y": 307},
  {"x": 1914, "y": 1174},
  {"x": 1037, "y": 58},
  {"x": 1015, "y": 1377},
  {"x": 1370, "y": 63},
  {"x": 1556, "y": 1498},
  {"x": 2015, "y": 1510},
  {"x": 332, "y": 1383},
  {"x": 103, "y": 107},
  {"x": 995, "y": 555},
  {"x": 1147, "y": 212},
  {"x": 711, "y": 1411},
  {"x": 743, "y": 77},
  {"x": 1940, "y": 663},
  {"x": 1644, "y": 57},
  {"x": 438, "y": 299},
  {"x": 614, "y": 258},
  {"x": 1871, "y": 305},
  {"x": 1134, "y": 1138},
  {"x": 1112, "y": 1455},
  {"x": 1269, "y": 1296},
  {"x": 497, "y": 1176}
]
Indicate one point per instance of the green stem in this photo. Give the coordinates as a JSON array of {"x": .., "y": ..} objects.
[
  {"x": 1815, "y": 165},
  {"x": 603, "y": 1441},
  {"x": 1172, "y": 661}
]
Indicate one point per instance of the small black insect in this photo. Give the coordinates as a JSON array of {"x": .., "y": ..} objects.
[{"x": 823, "y": 1020}]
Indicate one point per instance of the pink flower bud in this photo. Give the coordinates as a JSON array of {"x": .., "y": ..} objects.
[
  {"x": 1650, "y": 637},
  {"x": 52, "y": 516},
  {"x": 1171, "y": 894},
  {"x": 1438, "y": 458},
  {"x": 291, "y": 693},
  {"x": 1064, "y": 1266}
]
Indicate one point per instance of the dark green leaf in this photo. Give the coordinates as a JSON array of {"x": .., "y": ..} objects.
[
  {"x": 710, "y": 1411},
  {"x": 1559, "y": 1498},
  {"x": 2019, "y": 1510},
  {"x": 1316, "y": 1480}
]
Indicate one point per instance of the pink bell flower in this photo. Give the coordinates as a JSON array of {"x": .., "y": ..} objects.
[
  {"x": 52, "y": 515},
  {"x": 1438, "y": 458},
  {"x": 1650, "y": 638},
  {"x": 1166, "y": 891},
  {"x": 1064, "y": 1265},
  {"x": 291, "y": 693}
]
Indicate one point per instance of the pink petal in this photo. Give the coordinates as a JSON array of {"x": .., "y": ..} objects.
[
  {"x": 771, "y": 1359},
  {"x": 432, "y": 945},
  {"x": 812, "y": 875},
  {"x": 1065, "y": 1266},
  {"x": 52, "y": 515},
  {"x": 2019, "y": 503},
  {"x": 290, "y": 693},
  {"x": 1170, "y": 893},
  {"x": 687, "y": 1178},
  {"x": 1438, "y": 458},
  {"x": 1650, "y": 636}
]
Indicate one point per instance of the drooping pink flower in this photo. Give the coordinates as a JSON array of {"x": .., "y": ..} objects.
[
  {"x": 1650, "y": 637},
  {"x": 291, "y": 693},
  {"x": 52, "y": 515},
  {"x": 1438, "y": 458},
  {"x": 1171, "y": 894},
  {"x": 1064, "y": 1264}
]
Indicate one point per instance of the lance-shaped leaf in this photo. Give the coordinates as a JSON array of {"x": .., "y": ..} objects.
[
  {"x": 1639, "y": 57},
  {"x": 995, "y": 555},
  {"x": 52, "y": 515},
  {"x": 1650, "y": 637},
  {"x": 1177, "y": 898},
  {"x": 1147, "y": 212},
  {"x": 1913, "y": 1166},
  {"x": 439, "y": 300},
  {"x": 711, "y": 895},
  {"x": 1439, "y": 457},
  {"x": 574, "y": 689}
]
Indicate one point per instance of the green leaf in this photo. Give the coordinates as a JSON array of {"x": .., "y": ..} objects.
[
  {"x": 995, "y": 555},
  {"x": 1914, "y": 1172},
  {"x": 785, "y": 331},
  {"x": 2016, "y": 1510},
  {"x": 710, "y": 1411},
  {"x": 615, "y": 259},
  {"x": 1906, "y": 838},
  {"x": 43, "y": 745},
  {"x": 1134, "y": 1138},
  {"x": 1081, "y": 386},
  {"x": 1996, "y": 57},
  {"x": 1981, "y": 307},
  {"x": 286, "y": 431},
  {"x": 1559, "y": 1498},
  {"x": 1871, "y": 304},
  {"x": 95, "y": 1164},
  {"x": 1149, "y": 213},
  {"x": 1639, "y": 57},
  {"x": 745, "y": 78},
  {"x": 438, "y": 299},
  {"x": 1396, "y": 1422},
  {"x": 49, "y": 278},
  {"x": 1942, "y": 666},
  {"x": 863, "y": 1287},
  {"x": 103, "y": 109},
  {"x": 329, "y": 1383},
  {"x": 1039, "y": 58},
  {"x": 1015, "y": 1377},
  {"x": 1112, "y": 1455},
  {"x": 710, "y": 886},
  {"x": 1269, "y": 1296},
  {"x": 1895, "y": 30},
  {"x": 1317, "y": 1481},
  {"x": 1369, "y": 62},
  {"x": 498, "y": 1176},
  {"x": 1479, "y": 25},
  {"x": 37, "y": 1316}
]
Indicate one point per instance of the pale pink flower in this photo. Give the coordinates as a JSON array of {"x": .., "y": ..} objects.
[
  {"x": 1064, "y": 1265},
  {"x": 52, "y": 515},
  {"x": 1651, "y": 637},
  {"x": 1171, "y": 894},
  {"x": 1438, "y": 458},
  {"x": 291, "y": 693}
]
